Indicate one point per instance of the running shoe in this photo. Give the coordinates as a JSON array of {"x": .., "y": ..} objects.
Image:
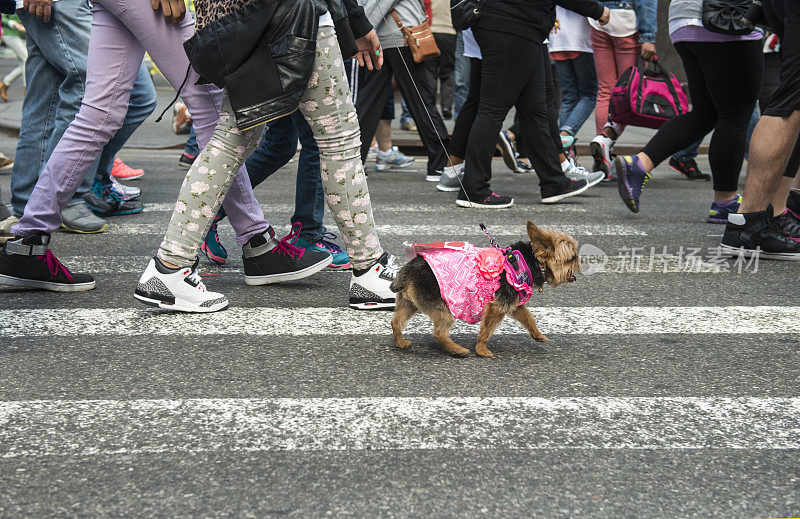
[
  {"x": 789, "y": 223},
  {"x": 688, "y": 168},
  {"x": 107, "y": 203},
  {"x": 186, "y": 160},
  {"x": 523, "y": 167},
  {"x": 578, "y": 172},
  {"x": 29, "y": 263},
  {"x": 212, "y": 246},
  {"x": 574, "y": 188},
  {"x": 370, "y": 288},
  {"x": 567, "y": 141},
  {"x": 758, "y": 234},
  {"x": 408, "y": 126},
  {"x": 372, "y": 154},
  {"x": 631, "y": 178},
  {"x": 341, "y": 261},
  {"x": 492, "y": 201},
  {"x": 719, "y": 212},
  {"x": 6, "y": 163},
  {"x": 508, "y": 149},
  {"x": 5, "y": 228},
  {"x": 79, "y": 218},
  {"x": 451, "y": 178},
  {"x": 600, "y": 148},
  {"x": 394, "y": 158},
  {"x": 267, "y": 260},
  {"x": 122, "y": 171},
  {"x": 124, "y": 192}
]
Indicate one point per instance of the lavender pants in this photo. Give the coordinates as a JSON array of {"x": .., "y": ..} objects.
[{"x": 122, "y": 30}]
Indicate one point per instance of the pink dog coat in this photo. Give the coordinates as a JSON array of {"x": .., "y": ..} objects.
[{"x": 468, "y": 276}]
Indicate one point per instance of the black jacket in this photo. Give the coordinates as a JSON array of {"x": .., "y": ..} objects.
[
  {"x": 531, "y": 19},
  {"x": 263, "y": 53}
]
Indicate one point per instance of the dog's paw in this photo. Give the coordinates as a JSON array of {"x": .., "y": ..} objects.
[
  {"x": 541, "y": 338},
  {"x": 458, "y": 351},
  {"x": 484, "y": 352},
  {"x": 403, "y": 344}
]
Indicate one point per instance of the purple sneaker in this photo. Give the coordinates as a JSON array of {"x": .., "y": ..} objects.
[
  {"x": 631, "y": 178},
  {"x": 719, "y": 212}
]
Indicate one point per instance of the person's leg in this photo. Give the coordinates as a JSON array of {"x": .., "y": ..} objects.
[
  {"x": 18, "y": 47},
  {"x": 569, "y": 93},
  {"x": 467, "y": 114},
  {"x": 461, "y": 76},
  {"x": 586, "y": 89},
  {"x": 626, "y": 52},
  {"x": 552, "y": 96},
  {"x": 191, "y": 149},
  {"x": 419, "y": 95},
  {"x": 370, "y": 97},
  {"x": 142, "y": 103},
  {"x": 309, "y": 198},
  {"x": 607, "y": 75},
  {"x": 447, "y": 64}
]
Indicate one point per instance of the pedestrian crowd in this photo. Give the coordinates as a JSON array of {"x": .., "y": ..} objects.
[{"x": 259, "y": 79}]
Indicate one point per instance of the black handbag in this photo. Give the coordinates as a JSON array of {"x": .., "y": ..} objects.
[
  {"x": 464, "y": 13},
  {"x": 727, "y": 16}
]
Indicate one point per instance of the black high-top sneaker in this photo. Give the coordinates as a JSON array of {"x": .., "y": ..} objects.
[
  {"x": 750, "y": 234},
  {"x": 28, "y": 262},
  {"x": 267, "y": 260}
]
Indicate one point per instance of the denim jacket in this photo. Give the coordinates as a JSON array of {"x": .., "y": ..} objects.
[{"x": 646, "y": 16}]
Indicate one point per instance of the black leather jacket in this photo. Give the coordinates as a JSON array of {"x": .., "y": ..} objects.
[{"x": 263, "y": 53}]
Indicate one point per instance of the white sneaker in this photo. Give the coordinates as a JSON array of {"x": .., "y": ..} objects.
[
  {"x": 181, "y": 290},
  {"x": 451, "y": 178},
  {"x": 394, "y": 158},
  {"x": 600, "y": 148},
  {"x": 5, "y": 228},
  {"x": 578, "y": 172},
  {"x": 372, "y": 154},
  {"x": 370, "y": 289}
]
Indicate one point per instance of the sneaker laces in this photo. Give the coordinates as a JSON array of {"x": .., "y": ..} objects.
[
  {"x": 195, "y": 277},
  {"x": 326, "y": 243},
  {"x": 286, "y": 247},
  {"x": 54, "y": 266}
]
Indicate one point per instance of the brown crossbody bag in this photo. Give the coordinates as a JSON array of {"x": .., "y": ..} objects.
[{"x": 419, "y": 39}]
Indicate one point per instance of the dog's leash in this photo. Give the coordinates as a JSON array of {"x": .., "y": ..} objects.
[{"x": 482, "y": 226}]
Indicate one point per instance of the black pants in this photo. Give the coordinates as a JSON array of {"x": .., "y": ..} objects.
[
  {"x": 370, "y": 97},
  {"x": 443, "y": 68},
  {"x": 724, "y": 83},
  {"x": 553, "y": 97},
  {"x": 512, "y": 73},
  {"x": 468, "y": 112}
]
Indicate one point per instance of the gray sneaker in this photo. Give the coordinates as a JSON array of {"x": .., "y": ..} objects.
[
  {"x": 80, "y": 219},
  {"x": 576, "y": 172},
  {"x": 5, "y": 227},
  {"x": 449, "y": 181}
]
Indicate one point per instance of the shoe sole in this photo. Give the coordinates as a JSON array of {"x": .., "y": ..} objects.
[
  {"x": 562, "y": 196},
  {"x": 346, "y": 266},
  {"x": 432, "y": 178},
  {"x": 507, "y": 151},
  {"x": 118, "y": 213},
  {"x": 64, "y": 228},
  {"x": 596, "y": 151},
  {"x": 180, "y": 307},
  {"x": 45, "y": 285},
  {"x": 620, "y": 172},
  {"x": 132, "y": 177},
  {"x": 373, "y": 306},
  {"x": 716, "y": 220},
  {"x": 289, "y": 276},
  {"x": 592, "y": 183},
  {"x": 447, "y": 189},
  {"x": 7, "y": 167},
  {"x": 728, "y": 250},
  {"x": 184, "y": 165},
  {"x": 473, "y": 205},
  {"x": 384, "y": 167}
]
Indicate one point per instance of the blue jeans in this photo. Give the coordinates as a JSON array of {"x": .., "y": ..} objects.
[
  {"x": 191, "y": 148},
  {"x": 688, "y": 153},
  {"x": 56, "y": 76},
  {"x": 276, "y": 148},
  {"x": 578, "y": 81},
  {"x": 406, "y": 115},
  {"x": 462, "y": 76}
]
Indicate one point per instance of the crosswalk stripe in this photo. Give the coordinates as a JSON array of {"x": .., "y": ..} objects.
[
  {"x": 111, "y": 427},
  {"x": 304, "y": 321},
  {"x": 667, "y": 264},
  {"x": 442, "y": 230},
  {"x": 380, "y": 208}
]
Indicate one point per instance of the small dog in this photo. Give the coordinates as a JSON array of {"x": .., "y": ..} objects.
[{"x": 552, "y": 257}]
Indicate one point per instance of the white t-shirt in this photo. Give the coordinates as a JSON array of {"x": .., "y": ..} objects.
[
  {"x": 574, "y": 35},
  {"x": 621, "y": 23}
]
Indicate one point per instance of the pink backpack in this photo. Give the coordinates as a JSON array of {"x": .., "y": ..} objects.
[{"x": 646, "y": 97}]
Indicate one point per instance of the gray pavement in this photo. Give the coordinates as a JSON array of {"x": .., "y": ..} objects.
[{"x": 669, "y": 388}]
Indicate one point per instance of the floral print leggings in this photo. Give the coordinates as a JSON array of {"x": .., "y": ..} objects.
[{"x": 328, "y": 108}]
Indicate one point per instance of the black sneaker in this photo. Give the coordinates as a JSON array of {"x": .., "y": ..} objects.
[
  {"x": 751, "y": 234},
  {"x": 688, "y": 168},
  {"x": 267, "y": 260},
  {"x": 109, "y": 203},
  {"x": 789, "y": 223},
  {"x": 575, "y": 187},
  {"x": 28, "y": 262},
  {"x": 793, "y": 201},
  {"x": 186, "y": 160},
  {"x": 492, "y": 201},
  {"x": 508, "y": 149}
]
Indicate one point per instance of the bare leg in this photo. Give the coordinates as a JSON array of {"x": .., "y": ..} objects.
[
  {"x": 404, "y": 309},
  {"x": 525, "y": 317},
  {"x": 492, "y": 317},
  {"x": 782, "y": 193},
  {"x": 770, "y": 148},
  {"x": 442, "y": 322},
  {"x": 383, "y": 135}
]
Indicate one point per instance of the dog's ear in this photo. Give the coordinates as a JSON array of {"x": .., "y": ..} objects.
[{"x": 540, "y": 240}]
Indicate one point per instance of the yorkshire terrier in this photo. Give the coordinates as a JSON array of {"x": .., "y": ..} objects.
[{"x": 549, "y": 257}]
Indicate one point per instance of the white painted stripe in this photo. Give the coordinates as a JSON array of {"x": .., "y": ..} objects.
[
  {"x": 451, "y": 231},
  {"x": 107, "y": 427},
  {"x": 380, "y": 208},
  {"x": 590, "y": 320},
  {"x": 675, "y": 264}
]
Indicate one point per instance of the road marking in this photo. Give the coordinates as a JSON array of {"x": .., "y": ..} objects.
[
  {"x": 111, "y": 427},
  {"x": 451, "y": 231},
  {"x": 302, "y": 321},
  {"x": 380, "y": 208}
]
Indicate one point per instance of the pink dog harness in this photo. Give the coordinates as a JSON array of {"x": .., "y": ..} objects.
[{"x": 468, "y": 276}]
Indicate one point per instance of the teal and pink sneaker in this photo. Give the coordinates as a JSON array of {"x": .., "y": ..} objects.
[
  {"x": 341, "y": 261},
  {"x": 631, "y": 178},
  {"x": 212, "y": 246},
  {"x": 719, "y": 212}
]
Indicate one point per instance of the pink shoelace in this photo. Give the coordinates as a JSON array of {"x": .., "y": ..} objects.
[
  {"x": 285, "y": 246},
  {"x": 54, "y": 266}
]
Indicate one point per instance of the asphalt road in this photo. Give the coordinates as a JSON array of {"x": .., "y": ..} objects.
[{"x": 664, "y": 393}]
